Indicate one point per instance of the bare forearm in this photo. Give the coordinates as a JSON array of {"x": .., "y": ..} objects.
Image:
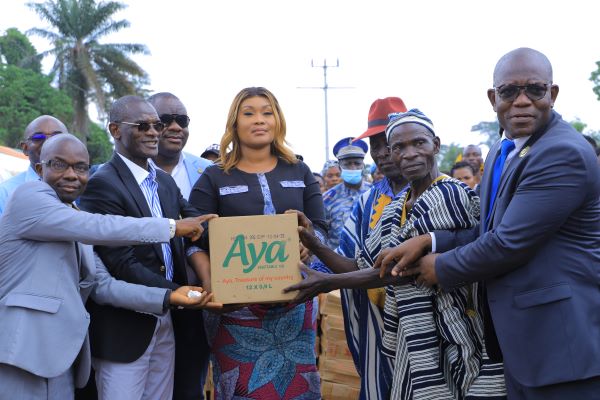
[
  {"x": 336, "y": 262},
  {"x": 363, "y": 279},
  {"x": 201, "y": 264}
]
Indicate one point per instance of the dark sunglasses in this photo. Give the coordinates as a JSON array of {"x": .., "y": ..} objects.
[
  {"x": 40, "y": 136},
  {"x": 61, "y": 166},
  {"x": 145, "y": 126},
  {"x": 534, "y": 91},
  {"x": 181, "y": 119}
]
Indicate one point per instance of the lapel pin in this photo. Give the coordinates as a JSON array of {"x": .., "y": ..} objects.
[{"x": 524, "y": 152}]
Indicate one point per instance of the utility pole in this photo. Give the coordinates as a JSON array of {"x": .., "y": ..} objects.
[{"x": 325, "y": 87}]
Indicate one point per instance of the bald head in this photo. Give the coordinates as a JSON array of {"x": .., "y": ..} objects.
[
  {"x": 161, "y": 96},
  {"x": 36, "y": 133},
  {"x": 524, "y": 93},
  {"x": 174, "y": 137},
  {"x": 46, "y": 124},
  {"x": 57, "y": 144},
  {"x": 65, "y": 166},
  {"x": 523, "y": 56}
]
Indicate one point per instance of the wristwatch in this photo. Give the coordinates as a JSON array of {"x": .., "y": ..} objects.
[{"x": 172, "y": 228}]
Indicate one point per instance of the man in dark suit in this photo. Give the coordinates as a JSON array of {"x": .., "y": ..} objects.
[
  {"x": 538, "y": 247},
  {"x": 134, "y": 354},
  {"x": 185, "y": 168}
]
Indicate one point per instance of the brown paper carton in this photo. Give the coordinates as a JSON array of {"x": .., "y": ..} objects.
[{"x": 253, "y": 258}]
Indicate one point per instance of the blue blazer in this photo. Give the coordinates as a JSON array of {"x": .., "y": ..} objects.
[
  {"x": 195, "y": 166},
  {"x": 539, "y": 256}
]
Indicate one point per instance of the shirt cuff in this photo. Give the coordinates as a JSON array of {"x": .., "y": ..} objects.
[
  {"x": 433, "y": 244},
  {"x": 193, "y": 249},
  {"x": 320, "y": 236},
  {"x": 167, "y": 301},
  {"x": 172, "y": 228}
]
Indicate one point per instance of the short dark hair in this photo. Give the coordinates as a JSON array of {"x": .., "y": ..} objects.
[
  {"x": 119, "y": 108},
  {"x": 462, "y": 164}
]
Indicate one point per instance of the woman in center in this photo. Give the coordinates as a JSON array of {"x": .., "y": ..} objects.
[{"x": 261, "y": 351}]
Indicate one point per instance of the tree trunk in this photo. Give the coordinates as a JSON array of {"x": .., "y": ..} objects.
[{"x": 81, "y": 121}]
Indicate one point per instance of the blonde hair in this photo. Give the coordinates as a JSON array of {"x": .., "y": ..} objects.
[{"x": 229, "y": 158}]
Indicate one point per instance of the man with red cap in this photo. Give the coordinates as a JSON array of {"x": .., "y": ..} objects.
[{"x": 363, "y": 309}]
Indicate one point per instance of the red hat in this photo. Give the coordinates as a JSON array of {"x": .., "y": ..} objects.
[{"x": 378, "y": 114}]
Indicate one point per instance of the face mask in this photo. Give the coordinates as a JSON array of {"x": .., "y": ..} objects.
[{"x": 352, "y": 176}]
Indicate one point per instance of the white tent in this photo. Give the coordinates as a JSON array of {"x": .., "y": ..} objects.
[{"x": 12, "y": 162}]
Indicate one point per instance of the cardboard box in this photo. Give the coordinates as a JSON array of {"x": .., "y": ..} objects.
[
  {"x": 330, "y": 303},
  {"x": 335, "y": 391},
  {"x": 254, "y": 257},
  {"x": 338, "y": 371},
  {"x": 335, "y": 349}
]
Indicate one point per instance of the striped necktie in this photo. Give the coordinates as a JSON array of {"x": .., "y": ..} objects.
[
  {"x": 507, "y": 146},
  {"x": 149, "y": 187}
]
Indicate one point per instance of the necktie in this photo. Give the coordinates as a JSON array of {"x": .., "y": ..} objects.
[
  {"x": 507, "y": 146},
  {"x": 150, "y": 188}
]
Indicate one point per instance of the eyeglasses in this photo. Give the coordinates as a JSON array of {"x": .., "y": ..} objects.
[
  {"x": 145, "y": 126},
  {"x": 534, "y": 91},
  {"x": 40, "y": 136},
  {"x": 181, "y": 119},
  {"x": 61, "y": 166}
]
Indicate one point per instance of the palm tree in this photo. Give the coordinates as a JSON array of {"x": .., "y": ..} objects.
[{"x": 86, "y": 69}]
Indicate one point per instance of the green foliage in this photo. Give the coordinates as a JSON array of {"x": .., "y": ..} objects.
[
  {"x": 25, "y": 95},
  {"x": 86, "y": 69},
  {"x": 489, "y": 130},
  {"x": 447, "y": 156},
  {"x": 581, "y": 126},
  {"x": 578, "y": 125},
  {"x": 98, "y": 144},
  {"x": 595, "y": 78},
  {"x": 17, "y": 50}
]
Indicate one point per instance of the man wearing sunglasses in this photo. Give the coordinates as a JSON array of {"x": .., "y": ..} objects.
[
  {"x": 134, "y": 354},
  {"x": 184, "y": 167},
  {"x": 537, "y": 249},
  {"x": 34, "y": 137},
  {"x": 191, "y": 347}
]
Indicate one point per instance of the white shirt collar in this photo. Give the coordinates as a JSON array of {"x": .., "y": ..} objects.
[
  {"x": 519, "y": 142},
  {"x": 139, "y": 173},
  {"x": 177, "y": 167}
]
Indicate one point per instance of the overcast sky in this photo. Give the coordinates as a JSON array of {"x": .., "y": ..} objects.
[{"x": 437, "y": 56}]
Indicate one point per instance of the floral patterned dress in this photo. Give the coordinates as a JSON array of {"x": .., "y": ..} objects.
[{"x": 263, "y": 351}]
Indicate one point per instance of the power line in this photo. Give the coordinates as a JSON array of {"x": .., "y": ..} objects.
[{"x": 325, "y": 87}]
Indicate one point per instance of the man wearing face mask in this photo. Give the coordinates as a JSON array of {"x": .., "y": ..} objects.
[{"x": 339, "y": 199}]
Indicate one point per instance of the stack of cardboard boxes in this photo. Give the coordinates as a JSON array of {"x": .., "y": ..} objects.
[{"x": 339, "y": 379}]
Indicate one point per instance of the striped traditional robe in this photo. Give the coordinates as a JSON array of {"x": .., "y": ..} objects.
[
  {"x": 363, "y": 319},
  {"x": 435, "y": 338}
]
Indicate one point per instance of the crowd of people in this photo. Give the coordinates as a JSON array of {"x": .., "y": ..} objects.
[{"x": 478, "y": 282}]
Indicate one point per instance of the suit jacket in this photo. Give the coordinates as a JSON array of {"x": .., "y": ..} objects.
[
  {"x": 116, "y": 334},
  {"x": 195, "y": 166},
  {"x": 47, "y": 277},
  {"x": 540, "y": 257},
  {"x": 8, "y": 187}
]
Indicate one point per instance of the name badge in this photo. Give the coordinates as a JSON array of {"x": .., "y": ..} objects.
[
  {"x": 227, "y": 190},
  {"x": 292, "y": 184}
]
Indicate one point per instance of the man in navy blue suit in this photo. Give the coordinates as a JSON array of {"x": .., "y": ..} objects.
[{"x": 537, "y": 249}]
